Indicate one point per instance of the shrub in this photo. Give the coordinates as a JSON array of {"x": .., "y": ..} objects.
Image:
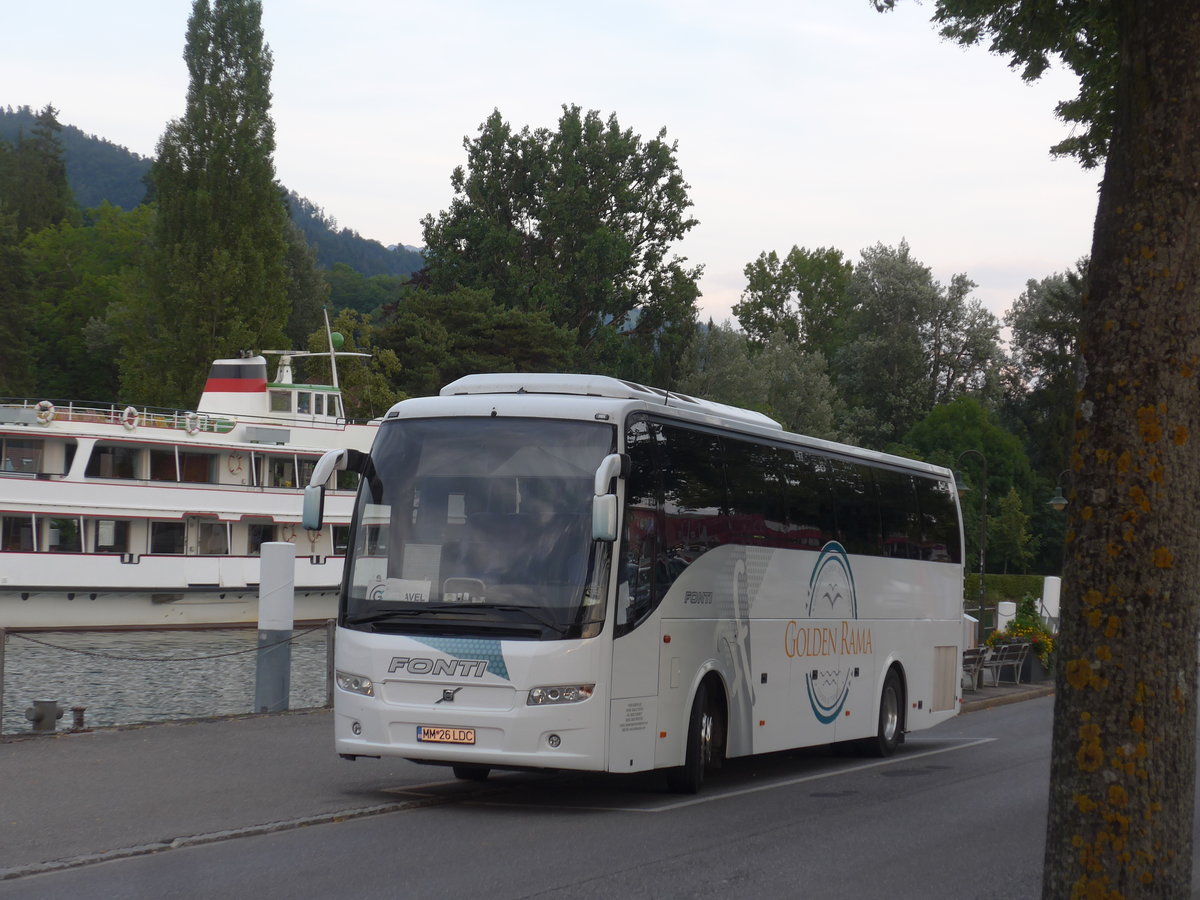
[{"x": 1027, "y": 627}]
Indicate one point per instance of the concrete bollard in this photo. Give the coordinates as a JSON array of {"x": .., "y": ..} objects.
[
  {"x": 44, "y": 714},
  {"x": 276, "y": 613},
  {"x": 77, "y": 718}
]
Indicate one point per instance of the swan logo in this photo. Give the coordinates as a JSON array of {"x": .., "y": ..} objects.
[{"x": 830, "y": 596}]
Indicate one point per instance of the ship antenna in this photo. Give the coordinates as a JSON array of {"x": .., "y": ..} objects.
[{"x": 332, "y": 350}]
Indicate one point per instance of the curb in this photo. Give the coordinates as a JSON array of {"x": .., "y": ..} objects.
[{"x": 1035, "y": 691}]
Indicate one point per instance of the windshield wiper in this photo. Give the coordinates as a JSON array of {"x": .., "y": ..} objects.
[
  {"x": 533, "y": 613},
  {"x": 476, "y": 611}
]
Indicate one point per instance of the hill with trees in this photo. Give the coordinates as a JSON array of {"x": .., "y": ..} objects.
[{"x": 100, "y": 171}]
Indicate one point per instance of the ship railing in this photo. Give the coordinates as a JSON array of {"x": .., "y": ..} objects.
[{"x": 48, "y": 411}]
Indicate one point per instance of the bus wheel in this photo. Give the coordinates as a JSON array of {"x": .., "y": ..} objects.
[
  {"x": 472, "y": 773},
  {"x": 891, "y": 719},
  {"x": 701, "y": 747}
]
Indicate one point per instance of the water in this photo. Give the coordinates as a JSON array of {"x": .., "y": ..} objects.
[{"x": 127, "y": 691}]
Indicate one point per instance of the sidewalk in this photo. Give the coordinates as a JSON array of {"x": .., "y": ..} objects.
[
  {"x": 72, "y": 799},
  {"x": 988, "y": 696}
]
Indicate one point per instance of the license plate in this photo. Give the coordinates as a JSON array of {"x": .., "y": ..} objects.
[{"x": 432, "y": 734}]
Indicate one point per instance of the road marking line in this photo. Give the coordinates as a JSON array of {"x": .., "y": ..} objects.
[{"x": 769, "y": 786}]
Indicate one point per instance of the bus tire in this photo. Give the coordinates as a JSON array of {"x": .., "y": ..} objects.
[
  {"x": 472, "y": 773},
  {"x": 890, "y": 731},
  {"x": 701, "y": 746}
]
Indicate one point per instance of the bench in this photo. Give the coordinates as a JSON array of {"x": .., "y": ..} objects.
[
  {"x": 972, "y": 666},
  {"x": 1006, "y": 656}
]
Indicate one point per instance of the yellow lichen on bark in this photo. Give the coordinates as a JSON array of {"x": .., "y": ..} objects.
[
  {"x": 1148, "y": 424},
  {"x": 1163, "y": 558}
]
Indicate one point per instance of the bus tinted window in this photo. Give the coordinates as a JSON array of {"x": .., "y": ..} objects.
[
  {"x": 939, "y": 521},
  {"x": 898, "y": 511},
  {"x": 755, "y": 496},
  {"x": 693, "y": 480}
]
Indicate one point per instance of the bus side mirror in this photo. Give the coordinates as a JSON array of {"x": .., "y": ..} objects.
[
  {"x": 314, "y": 507},
  {"x": 604, "y": 504},
  {"x": 313, "y": 513},
  {"x": 604, "y": 517}
]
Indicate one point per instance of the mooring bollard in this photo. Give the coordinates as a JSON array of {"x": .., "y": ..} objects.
[
  {"x": 44, "y": 714},
  {"x": 77, "y": 718},
  {"x": 276, "y": 611}
]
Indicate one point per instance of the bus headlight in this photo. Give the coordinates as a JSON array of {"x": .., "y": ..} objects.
[
  {"x": 355, "y": 684},
  {"x": 559, "y": 693}
]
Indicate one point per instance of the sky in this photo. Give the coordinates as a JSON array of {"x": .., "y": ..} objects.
[{"x": 811, "y": 123}]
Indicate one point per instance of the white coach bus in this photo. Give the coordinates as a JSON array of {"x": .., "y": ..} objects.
[{"x": 577, "y": 572}]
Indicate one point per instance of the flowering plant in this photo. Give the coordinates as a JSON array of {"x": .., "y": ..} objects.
[{"x": 1027, "y": 628}]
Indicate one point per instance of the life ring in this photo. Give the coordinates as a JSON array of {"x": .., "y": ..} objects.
[
  {"x": 45, "y": 412},
  {"x": 287, "y": 533},
  {"x": 191, "y": 422},
  {"x": 235, "y": 463},
  {"x": 130, "y": 418}
]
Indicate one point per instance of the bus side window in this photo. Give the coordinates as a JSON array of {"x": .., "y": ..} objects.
[{"x": 639, "y": 590}]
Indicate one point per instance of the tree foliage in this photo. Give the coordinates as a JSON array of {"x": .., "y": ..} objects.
[
  {"x": 910, "y": 343},
  {"x": 76, "y": 273},
  {"x": 779, "y": 378},
  {"x": 1035, "y": 34},
  {"x": 577, "y": 223},
  {"x": 220, "y": 282},
  {"x": 441, "y": 337},
  {"x": 802, "y": 296}
]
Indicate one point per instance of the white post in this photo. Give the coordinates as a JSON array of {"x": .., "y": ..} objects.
[
  {"x": 1051, "y": 592},
  {"x": 276, "y": 614}
]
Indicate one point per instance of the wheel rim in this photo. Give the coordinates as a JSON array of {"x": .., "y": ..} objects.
[
  {"x": 890, "y": 715},
  {"x": 706, "y": 738}
]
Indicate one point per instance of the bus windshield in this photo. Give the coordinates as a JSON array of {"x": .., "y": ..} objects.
[{"x": 480, "y": 525}]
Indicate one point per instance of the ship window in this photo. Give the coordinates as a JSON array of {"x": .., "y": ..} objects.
[
  {"x": 259, "y": 533},
  {"x": 212, "y": 539},
  {"x": 162, "y": 465},
  {"x": 341, "y": 538},
  {"x": 167, "y": 537},
  {"x": 197, "y": 467},
  {"x": 112, "y": 536},
  {"x": 64, "y": 536},
  {"x": 332, "y": 406},
  {"x": 303, "y": 402},
  {"x": 113, "y": 461},
  {"x": 307, "y": 467},
  {"x": 281, "y": 401},
  {"x": 19, "y": 455},
  {"x": 319, "y": 404},
  {"x": 16, "y": 533},
  {"x": 283, "y": 471}
]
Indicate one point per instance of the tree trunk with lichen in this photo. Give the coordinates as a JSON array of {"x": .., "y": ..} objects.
[{"x": 1123, "y": 771}]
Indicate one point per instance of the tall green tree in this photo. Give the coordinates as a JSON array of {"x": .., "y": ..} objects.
[
  {"x": 779, "y": 378},
  {"x": 911, "y": 343},
  {"x": 220, "y": 281},
  {"x": 802, "y": 296},
  {"x": 441, "y": 337},
  {"x": 1011, "y": 545},
  {"x": 76, "y": 273},
  {"x": 1043, "y": 369},
  {"x": 578, "y": 223},
  {"x": 37, "y": 189},
  {"x": 1123, "y": 770},
  {"x": 16, "y": 362}
]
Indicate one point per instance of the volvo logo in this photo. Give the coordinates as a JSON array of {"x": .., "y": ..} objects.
[{"x": 448, "y": 695}]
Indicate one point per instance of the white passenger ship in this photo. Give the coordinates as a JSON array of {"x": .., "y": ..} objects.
[{"x": 129, "y": 517}]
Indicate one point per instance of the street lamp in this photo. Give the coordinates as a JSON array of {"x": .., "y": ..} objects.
[
  {"x": 982, "y": 528},
  {"x": 1059, "y": 502}
]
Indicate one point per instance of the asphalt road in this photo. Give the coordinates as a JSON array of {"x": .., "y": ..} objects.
[{"x": 958, "y": 813}]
